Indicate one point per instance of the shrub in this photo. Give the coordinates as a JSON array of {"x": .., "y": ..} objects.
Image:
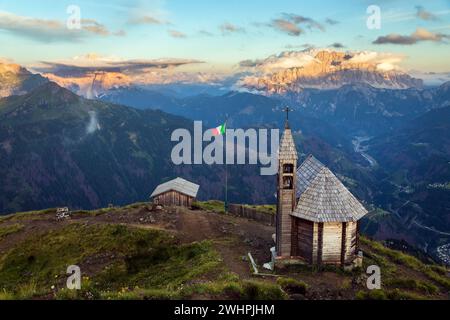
[
  {"x": 257, "y": 290},
  {"x": 413, "y": 284},
  {"x": 398, "y": 294},
  {"x": 371, "y": 295},
  {"x": 7, "y": 230},
  {"x": 292, "y": 286}
]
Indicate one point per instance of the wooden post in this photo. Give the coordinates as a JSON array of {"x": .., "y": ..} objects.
[
  {"x": 343, "y": 243},
  {"x": 320, "y": 244},
  {"x": 357, "y": 237},
  {"x": 294, "y": 238}
]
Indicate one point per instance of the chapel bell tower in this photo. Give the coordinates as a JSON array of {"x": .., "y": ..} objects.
[{"x": 286, "y": 191}]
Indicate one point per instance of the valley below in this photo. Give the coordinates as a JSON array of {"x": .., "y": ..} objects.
[{"x": 362, "y": 150}]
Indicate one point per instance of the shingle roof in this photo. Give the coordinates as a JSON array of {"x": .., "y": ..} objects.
[
  {"x": 307, "y": 172},
  {"x": 178, "y": 184},
  {"x": 323, "y": 197},
  {"x": 287, "y": 149}
]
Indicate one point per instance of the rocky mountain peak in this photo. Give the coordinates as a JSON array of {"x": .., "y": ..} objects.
[
  {"x": 17, "y": 80},
  {"x": 328, "y": 69}
]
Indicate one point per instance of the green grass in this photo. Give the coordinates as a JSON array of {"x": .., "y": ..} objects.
[
  {"x": 136, "y": 205},
  {"x": 10, "y": 229},
  {"x": 228, "y": 284},
  {"x": 94, "y": 213},
  {"x": 267, "y": 208},
  {"x": 371, "y": 295},
  {"x": 433, "y": 272},
  {"x": 395, "y": 294},
  {"x": 412, "y": 284},
  {"x": 212, "y": 205},
  {"x": 147, "y": 259},
  {"x": 231, "y": 287},
  {"x": 29, "y": 215}
]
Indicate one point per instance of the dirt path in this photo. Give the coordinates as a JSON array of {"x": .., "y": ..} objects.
[{"x": 194, "y": 226}]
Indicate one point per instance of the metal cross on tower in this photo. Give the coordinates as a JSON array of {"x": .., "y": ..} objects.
[{"x": 287, "y": 110}]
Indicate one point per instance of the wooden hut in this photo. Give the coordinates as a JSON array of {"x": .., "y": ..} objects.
[
  {"x": 177, "y": 192},
  {"x": 317, "y": 217}
]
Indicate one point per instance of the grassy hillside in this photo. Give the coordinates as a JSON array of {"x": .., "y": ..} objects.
[{"x": 135, "y": 253}]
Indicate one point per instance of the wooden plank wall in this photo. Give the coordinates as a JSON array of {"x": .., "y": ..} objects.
[
  {"x": 351, "y": 242},
  {"x": 344, "y": 246},
  {"x": 173, "y": 198},
  {"x": 284, "y": 224},
  {"x": 252, "y": 214},
  {"x": 332, "y": 242},
  {"x": 305, "y": 242},
  {"x": 294, "y": 237},
  {"x": 315, "y": 245},
  {"x": 322, "y": 243}
]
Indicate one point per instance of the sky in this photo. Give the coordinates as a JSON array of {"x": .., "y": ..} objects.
[{"x": 217, "y": 35}]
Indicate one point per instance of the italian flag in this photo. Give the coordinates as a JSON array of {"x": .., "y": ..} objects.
[{"x": 220, "y": 130}]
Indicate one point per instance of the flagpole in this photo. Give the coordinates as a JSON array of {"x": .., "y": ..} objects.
[
  {"x": 226, "y": 187},
  {"x": 226, "y": 169}
]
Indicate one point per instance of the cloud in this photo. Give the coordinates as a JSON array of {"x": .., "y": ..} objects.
[
  {"x": 287, "y": 27},
  {"x": 419, "y": 35},
  {"x": 145, "y": 19},
  {"x": 307, "y": 22},
  {"x": 92, "y": 63},
  {"x": 205, "y": 33},
  {"x": 227, "y": 28},
  {"x": 431, "y": 78},
  {"x": 337, "y": 45},
  {"x": 294, "y": 25},
  {"x": 331, "y": 22},
  {"x": 382, "y": 60},
  {"x": 120, "y": 33},
  {"x": 90, "y": 75},
  {"x": 249, "y": 63},
  {"x": 49, "y": 30},
  {"x": 177, "y": 34},
  {"x": 93, "y": 124},
  {"x": 425, "y": 15},
  {"x": 307, "y": 46},
  {"x": 274, "y": 63},
  {"x": 94, "y": 27}
]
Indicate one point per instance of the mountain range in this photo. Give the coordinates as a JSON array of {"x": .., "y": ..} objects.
[
  {"x": 286, "y": 73},
  {"x": 328, "y": 70}
]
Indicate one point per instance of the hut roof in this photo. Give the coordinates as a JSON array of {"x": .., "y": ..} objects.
[
  {"x": 323, "y": 197},
  {"x": 180, "y": 185}
]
